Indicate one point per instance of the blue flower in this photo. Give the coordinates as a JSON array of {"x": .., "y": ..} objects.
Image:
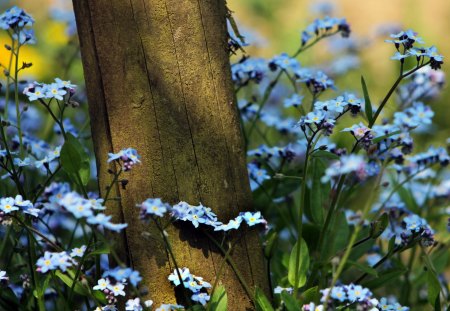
[
  {"x": 338, "y": 293},
  {"x": 129, "y": 157},
  {"x": 54, "y": 91},
  {"x": 257, "y": 175},
  {"x": 285, "y": 62},
  {"x": 337, "y": 104},
  {"x": 154, "y": 207},
  {"x": 232, "y": 224},
  {"x": 249, "y": 69},
  {"x": 169, "y": 307},
  {"x": 54, "y": 261},
  {"x": 102, "y": 284},
  {"x": 436, "y": 59},
  {"x": 133, "y": 305},
  {"x": 15, "y": 17},
  {"x": 203, "y": 298},
  {"x": 184, "y": 273},
  {"x": 325, "y": 26},
  {"x": 357, "y": 293},
  {"x": 347, "y": 164},
  {"x": 35, "y": 93},
  {"x": 293, "y": 101},
  {"x": 414, "y": 223},
  {"x": 135, "y": 278},
  {"x": 317, "y": 82},
  {"x": 315, "y": 117},
  {"x": 64, "y": 84},
  {"x": 253, "y": 218},
  {"x": 46, "y": 263},
  {"x": 78, "y": 251},
  {"x": 7, "y": 205}
]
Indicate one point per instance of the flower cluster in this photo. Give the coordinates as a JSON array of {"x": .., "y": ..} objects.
[
  {"x": 355, "y": 295},
  {"x": 412, "y": 117},
  {"x": 345, "y": 165},
  {"x": 126, "y": 157},
  {"x": 54, "y": 261},
  {"x": 325, "y": 27},
  {"x": 192, "y": 282},
  {"x": 56, "y": 90},
  {"x": 113, "y": 283},
  {"x": 315, "y": 81},
  {"x": 196, "y": 215},
  {"x": 248, "y": 69},
  {"x": 425, "y": 83},
  {"x": 406, "y": 40},
  {"x": 416, "y": 228},
  {"x": 17, "y": 19},
  {"x": 326, "y": 113},
  {"x": 59, "y": 196},
  {"x": 8, "y": 205}
]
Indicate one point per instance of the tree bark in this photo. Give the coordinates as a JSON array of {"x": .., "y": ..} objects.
[{"x": 158, "y": 80}]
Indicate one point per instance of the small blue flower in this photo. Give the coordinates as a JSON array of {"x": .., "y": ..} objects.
[
  {"x": 257, "y": 175},
  {"x": 7, "y": 205},
  {"x": 357, "y": 293},
  {"x": 78, "y": 251},
  {"x": 54, "y": 91},
  {"x": 203, "y": 298},
  {"x": 154, "y": 207},
  {"x": 315, "y": 117},
  {"x": 253, "y": 218},
  {"x": 285, "y": 62},
  {"x": 129, "y": 157},
  {"x": 293, "y": 101},
  {"x": 338, "y": 293},
  {"x": 232, "y": 224},
  {"x": 414, "y": 223}
]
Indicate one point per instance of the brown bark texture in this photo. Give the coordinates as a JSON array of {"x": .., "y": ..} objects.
[{"x": 158, "y": 80}]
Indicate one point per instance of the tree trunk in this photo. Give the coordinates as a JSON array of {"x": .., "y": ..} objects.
[{"x": 158, "y": 80}]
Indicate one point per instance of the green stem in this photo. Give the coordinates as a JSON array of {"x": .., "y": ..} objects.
[
  {"x": 8, "y": 79},
  {"x": 391, "y": 91},
  {"x": 16, "y": 98},
  {"x": 234, "y": 267}
]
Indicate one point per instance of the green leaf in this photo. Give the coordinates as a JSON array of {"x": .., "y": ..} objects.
[
  {"x": 298, "y": 264},
  {"x": 290, "y": 302},
  {"x": 310, "y": 295},
  {"x": 68, "y": 280},
  {"x": 85, "y": 172},
  {"x": 74, "y": 159},
  {"x": 70, "y": 156},
  {"x": 219, "y": 300},
  {"x": 380, "y": 138},
  {"x": 325, "y": 154},
  {"x": 385, "y": 277},
  {"x": 262, "y": 303},
  {"x": 391, "y": 246},
  {"x": 379, "y": 225},
  {"x": 368, "y": 104},
  {"x": 318, "y": 193},
  {"x": 270, "y": 243},
  {"x": 363, "y": 267},
  {"x": 100, "y": 250},
  {"x": 434, "y": 290}
]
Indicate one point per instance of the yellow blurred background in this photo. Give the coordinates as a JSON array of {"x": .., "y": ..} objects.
[{"x": 280, "y": 23}]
